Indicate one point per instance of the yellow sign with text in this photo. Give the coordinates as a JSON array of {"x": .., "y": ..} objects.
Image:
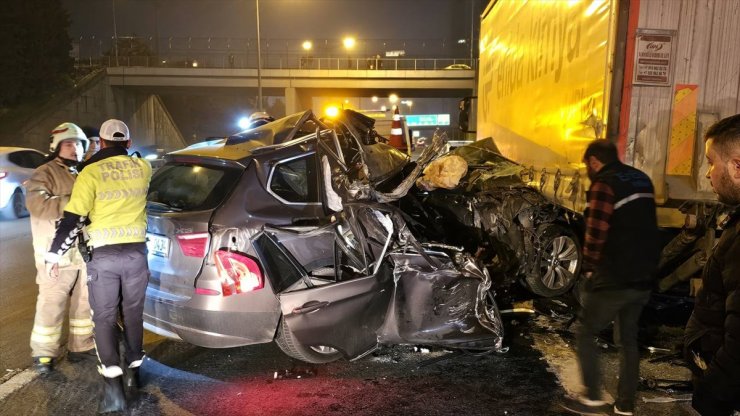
[{"x": 544, "y": 77}]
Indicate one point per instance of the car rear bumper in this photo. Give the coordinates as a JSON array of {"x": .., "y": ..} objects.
[{"x": 200, "y": 320}]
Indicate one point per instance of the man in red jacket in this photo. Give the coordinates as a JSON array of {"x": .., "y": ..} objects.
[{"x": 621, "y": 251}]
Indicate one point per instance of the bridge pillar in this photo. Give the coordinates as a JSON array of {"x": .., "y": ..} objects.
[{"x": 291, "y": 101}]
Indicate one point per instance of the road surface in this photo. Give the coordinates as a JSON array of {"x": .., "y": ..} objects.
[{"x": 181, "y": 379}]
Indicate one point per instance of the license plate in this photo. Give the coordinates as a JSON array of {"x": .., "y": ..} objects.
[{"x": 158, "y": 245}]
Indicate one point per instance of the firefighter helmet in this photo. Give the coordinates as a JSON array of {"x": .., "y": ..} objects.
[{"x": 67, "y": 131}]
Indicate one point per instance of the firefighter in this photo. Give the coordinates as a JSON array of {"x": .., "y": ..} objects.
[
  {"x": 47, "y": 192},
  {"x": 110, "y": 194}
]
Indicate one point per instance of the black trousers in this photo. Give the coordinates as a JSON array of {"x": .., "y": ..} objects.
[
  {"x": 599, "y": 309},
  {"x": 117, "y": 278}
]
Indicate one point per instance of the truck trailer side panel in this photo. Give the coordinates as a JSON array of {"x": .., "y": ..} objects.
[
  {"x": 545, "y": 85},
  {"x": 707, "y": 55},
  {"x": 544, "y": 79}
]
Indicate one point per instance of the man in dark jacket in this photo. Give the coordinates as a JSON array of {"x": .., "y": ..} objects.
[
  {"x": 621, "y": 253},
  {"x": 713, "y": 332}
]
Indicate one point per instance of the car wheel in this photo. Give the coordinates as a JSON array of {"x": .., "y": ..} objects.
[
  {"x": 314, "y": 354},
  {"x": 16, "y": 207},
  {"x": 557, "y": 261}
]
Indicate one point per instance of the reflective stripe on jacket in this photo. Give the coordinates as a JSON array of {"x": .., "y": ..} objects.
[{"x": 112, "y": 194}]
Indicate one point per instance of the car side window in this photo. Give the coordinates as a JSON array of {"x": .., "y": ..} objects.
[
  {"x": 294, "y": 181},
  {"x": 26, "y": 159},
  {"x": 36, "y": 159}
]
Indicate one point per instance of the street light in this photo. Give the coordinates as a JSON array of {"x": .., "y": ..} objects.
[
  {"x": 307, "y": 45},
  {"x": 259, "y": 59},
  {"x": 349, "y": 43},
  {"x": 393, "y": 98},
  {"x": 115, "y": 32}
]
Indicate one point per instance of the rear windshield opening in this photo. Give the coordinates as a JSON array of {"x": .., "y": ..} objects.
[{"x": 191, "y": 187}]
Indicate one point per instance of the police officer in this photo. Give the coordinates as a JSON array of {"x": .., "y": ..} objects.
[
  {"x": 110, "y": 194},
  {"x": 47, "y": 192}
]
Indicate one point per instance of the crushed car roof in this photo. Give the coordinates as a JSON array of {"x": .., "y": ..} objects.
[{"x": 243, "y": 144}]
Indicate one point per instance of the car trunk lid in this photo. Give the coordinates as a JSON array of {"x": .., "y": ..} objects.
[{"x": 183, "y": 196}]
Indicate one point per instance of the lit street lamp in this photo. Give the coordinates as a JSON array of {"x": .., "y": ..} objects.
[
  {"x": 349, "y": 44},
  {"x": 307, "y": 46},
  {"x": 115, "y": 32},
  {"x": 259, "y": 59}
]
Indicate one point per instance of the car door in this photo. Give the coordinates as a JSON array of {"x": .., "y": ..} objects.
[{"x": 345, "y": 311}]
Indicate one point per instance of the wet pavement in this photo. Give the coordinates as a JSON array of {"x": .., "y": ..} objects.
[{"x": 529, "y": 379}]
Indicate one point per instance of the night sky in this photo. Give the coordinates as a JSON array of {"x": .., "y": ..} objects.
[{"x": 429, "y": 24}]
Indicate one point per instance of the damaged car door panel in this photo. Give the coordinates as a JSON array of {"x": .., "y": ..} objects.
[{"x": 317, "y": 235}]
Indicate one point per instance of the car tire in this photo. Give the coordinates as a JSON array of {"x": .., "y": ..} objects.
[
  {"x": 557, "y": 263},
  {"x": 16, "y": 207},
  {"x": 310, "y": 354}
]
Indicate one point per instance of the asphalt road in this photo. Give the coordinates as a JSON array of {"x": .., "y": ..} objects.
[
  {"x": 17, "y": 294},
  {"x": 181, "y": 379}
]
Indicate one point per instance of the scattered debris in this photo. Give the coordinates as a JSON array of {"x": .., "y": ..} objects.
[
  {"x": 294, "y": 373},
  {"x": 654, "y": 350},
  {"x": 517, "y": 310},
  {"x": 666, "y": 385},
  {"x": 681, "y": 398}
]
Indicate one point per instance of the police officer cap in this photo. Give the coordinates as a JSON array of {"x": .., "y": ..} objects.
[{"x": 114, "y": 130}]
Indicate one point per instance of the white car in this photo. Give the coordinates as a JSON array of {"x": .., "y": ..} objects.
[{"x": 16, "y": 166}]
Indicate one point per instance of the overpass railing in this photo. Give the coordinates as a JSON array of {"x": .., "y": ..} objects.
[
  {"x": 189, "y": 52},
  {"x": 237, "y": 61}
]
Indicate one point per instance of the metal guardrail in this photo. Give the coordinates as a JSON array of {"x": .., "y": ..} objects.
[
  {"x": 187, "y": 52},
  {"x": 242, "y": 61}
]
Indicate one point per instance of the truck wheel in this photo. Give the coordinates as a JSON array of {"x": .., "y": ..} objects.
[
  {"x": 557, "y": 261},
  {"x": 318, "y": 354},
  {"x": 16, "y": 207}
]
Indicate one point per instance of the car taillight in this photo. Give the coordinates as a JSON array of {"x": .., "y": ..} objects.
[
  {"x": 193, "y": 245},
  {"x": 206, "y": 291},
  {"x": 238, "y": 273},
  {"x": 3, "y": 174}
]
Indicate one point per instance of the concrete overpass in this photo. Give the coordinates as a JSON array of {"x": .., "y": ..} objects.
[
  {"x": 299, "y": 86},
  {"x": 169, "y": 107}
]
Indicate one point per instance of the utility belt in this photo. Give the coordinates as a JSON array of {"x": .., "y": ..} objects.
[{"x": 85, "y": 250}]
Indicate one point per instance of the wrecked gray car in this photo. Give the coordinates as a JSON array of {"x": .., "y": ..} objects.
[
  {"x": 516, "y": 233},
  {"x": 472, "y": 198},
  {"x": 290, "y": 232}
]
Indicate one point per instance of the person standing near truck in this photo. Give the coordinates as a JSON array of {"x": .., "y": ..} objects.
[
  {"x": 621, "y": 252},
  {"x": 712, "y": 337}
]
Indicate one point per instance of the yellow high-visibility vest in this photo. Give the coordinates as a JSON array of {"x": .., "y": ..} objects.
[{"x": 112, "y": 194}]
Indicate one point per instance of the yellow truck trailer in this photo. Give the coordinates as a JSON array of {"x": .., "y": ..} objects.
[{"x": 649, "y": 75}]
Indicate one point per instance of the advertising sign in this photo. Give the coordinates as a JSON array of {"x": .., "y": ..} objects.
[{"x": 653, "y": 58}]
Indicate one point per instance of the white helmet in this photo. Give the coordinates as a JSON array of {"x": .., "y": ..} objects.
[
  {"x": 67, "y": 131},
  {"x": 260, "y": 115}
]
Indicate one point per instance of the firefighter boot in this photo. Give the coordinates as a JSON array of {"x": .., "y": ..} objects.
[
  {"x": 113, "y": 398},
  {"x": 43, "y": 365},
  {"x": 132, "y": 381}
]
